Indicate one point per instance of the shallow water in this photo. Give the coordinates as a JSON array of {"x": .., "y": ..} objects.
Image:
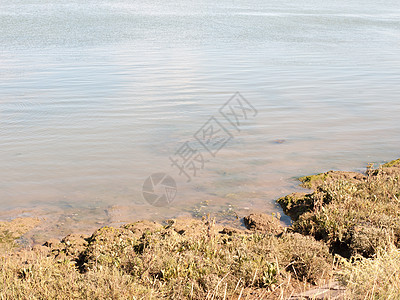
[{"x": 97, "y": 95}]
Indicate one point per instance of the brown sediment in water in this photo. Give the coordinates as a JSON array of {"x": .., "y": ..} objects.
[{"x": 349, "y": 214}]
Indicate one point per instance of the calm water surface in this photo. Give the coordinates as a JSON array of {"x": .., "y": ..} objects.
[{"x": 96, "y": 95}]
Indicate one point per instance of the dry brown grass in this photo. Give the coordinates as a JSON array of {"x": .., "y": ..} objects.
[
  {"x": 373, "y": 278},
  {"x": 146, "y": 260}
]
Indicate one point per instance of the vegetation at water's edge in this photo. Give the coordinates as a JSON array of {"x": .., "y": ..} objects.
[
  {"x": 348, "y": 228},
  {"x": 184, "y": 259},
  {"x": 358, "y": 217},
  {"x": 352, "y": 213}
]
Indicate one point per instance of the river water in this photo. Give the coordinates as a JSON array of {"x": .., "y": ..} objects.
[{"x": 95, "y": 96}]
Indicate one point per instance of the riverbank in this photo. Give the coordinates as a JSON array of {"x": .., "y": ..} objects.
[{"x": 347, "y": 231}]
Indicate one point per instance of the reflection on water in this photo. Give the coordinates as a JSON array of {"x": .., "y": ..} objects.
[{"x": 96, "y": 95}]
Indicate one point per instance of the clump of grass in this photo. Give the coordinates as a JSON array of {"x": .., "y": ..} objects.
[
  {"x": 392, "y": 163},
  {"x": 6, "y": 237},
  {"x": 307, "y": 259},
  {"x": 35, "y": 276},
  {"x": 296, "y": 204},
  {"x": 372, "y": 278},
  {"x": 352, "y": 214}
]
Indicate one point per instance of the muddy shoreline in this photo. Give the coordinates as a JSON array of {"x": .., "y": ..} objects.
[{"x": 346, "y": 215}]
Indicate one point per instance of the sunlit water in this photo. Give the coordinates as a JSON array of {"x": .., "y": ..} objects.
[{"x": 97, "y": 95}]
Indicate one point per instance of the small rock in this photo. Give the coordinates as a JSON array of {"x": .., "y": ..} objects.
[
  {"x": 52, "y": 243},
  {"x": 264, "y": 223},
  {"x": 141, "y": 227},
  {"x": 74, "y": 244},
  {"x": 230, "y": 231}
]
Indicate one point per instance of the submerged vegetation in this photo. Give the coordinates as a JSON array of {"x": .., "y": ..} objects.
[{"x": 347, "y": 230}]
